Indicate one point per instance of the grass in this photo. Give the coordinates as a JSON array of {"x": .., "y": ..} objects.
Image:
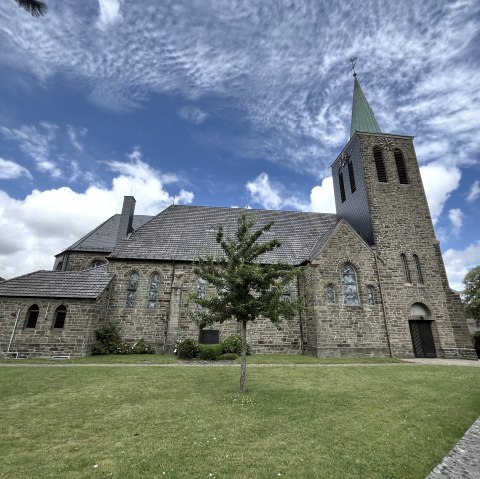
[
  {"x": 182, "y": 422},
  {"x": 170, "y": 359}
]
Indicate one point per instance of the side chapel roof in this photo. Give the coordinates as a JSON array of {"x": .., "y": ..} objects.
[
  {"x": 89, "y": 283},
  {"x": 182, "y": 233}
]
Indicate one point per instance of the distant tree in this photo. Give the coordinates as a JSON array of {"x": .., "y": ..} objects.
[
  {"x": 471, "y": 294},
  {"x": 245, "y": 288},
  {"x": 35, "y": 7}
]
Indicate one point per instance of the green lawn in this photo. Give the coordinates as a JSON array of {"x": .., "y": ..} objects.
[{"x": 183, "y": 422}]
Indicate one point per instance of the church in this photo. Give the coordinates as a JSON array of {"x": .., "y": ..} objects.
[{"x": 374, "y": 283}]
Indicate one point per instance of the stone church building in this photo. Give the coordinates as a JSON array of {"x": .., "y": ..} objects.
[{"x": 375, "y": 282}]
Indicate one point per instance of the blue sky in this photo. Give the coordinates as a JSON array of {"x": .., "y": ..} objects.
[{"x": 228, "y": 103}]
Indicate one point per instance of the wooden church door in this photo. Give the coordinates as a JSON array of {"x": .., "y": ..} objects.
[{"x": 422, "y": 339}]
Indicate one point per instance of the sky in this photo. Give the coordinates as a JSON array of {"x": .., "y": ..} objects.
[{"x": 226, "y": 103}]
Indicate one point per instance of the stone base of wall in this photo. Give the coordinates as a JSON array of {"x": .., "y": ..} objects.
[
  {"x": 460, "y": 353},
  {"x": 350, "y": 352}
]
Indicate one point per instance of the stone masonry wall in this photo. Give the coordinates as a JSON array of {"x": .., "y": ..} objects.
[
  {"x": 338, "y": 329},
  {"x": 80, "y": 260}
]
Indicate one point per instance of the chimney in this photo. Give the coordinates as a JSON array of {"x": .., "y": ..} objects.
[{"x": 126, "y": 218}]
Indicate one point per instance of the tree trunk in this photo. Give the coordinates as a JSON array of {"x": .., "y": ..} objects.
[{"x": 243, "y": 369}]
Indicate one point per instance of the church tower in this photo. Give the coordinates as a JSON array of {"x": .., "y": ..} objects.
[{"x": 379, "y": 191}]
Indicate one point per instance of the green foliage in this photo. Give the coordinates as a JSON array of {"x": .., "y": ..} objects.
[
  {"x": 476, "y": 342},
  {"x": 187, "y": 349},
  {"x": 209, "y": 352},
  {"x": 471, "y": 294},
  {"x": 233, "y": 344},
  {"x": 142, "y": 347},
  {"x": 227, "y": 357},
  {"x": 107, "y": 339}
]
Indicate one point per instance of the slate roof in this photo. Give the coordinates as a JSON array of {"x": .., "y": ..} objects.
[
  {"x": 89, "y": 283},
  {"x": 182, "y": 233},
  {"x": 104, "y": 237}
]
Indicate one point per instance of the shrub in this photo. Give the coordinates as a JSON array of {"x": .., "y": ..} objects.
[
  {"x": 227, "y": 357},
  {"x": 187, "y": 349},
  {"x": 209, "y": 352},
  {"x": 233, "y": 344},
  {"x": 124, "y": 347},
  {"x": 107, "y": 339},
  {"x": 476, "y": 342},
  {"x": 142, "y": 347}
]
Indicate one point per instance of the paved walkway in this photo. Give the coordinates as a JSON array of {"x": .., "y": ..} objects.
[{"x": 463, "y": 461}]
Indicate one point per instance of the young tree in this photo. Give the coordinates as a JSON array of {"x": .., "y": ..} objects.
[
  {"x": 36, "y": 8},
  {"x": 471, "y": 294},
  {"x": 245, "y": 288}
]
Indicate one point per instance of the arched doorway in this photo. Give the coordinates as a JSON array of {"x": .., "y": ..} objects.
[{"x": 421, "y": 331}]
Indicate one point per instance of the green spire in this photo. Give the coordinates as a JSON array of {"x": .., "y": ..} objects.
[{"x": 363, "y": 118}]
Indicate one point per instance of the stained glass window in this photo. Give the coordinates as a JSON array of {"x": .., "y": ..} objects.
[
  {"x": 201, "y": 290},
  {"x": 370, "y": 296},
  {"x": 331, "y": 294},
  {"x": 153, "y": 290},
  {"x": 349, "y": 285},
  {"x": 406, "y": 271},
  {"x": 131, "y": 290},
  {"x": 286, "y": 292},
  {"x": 418, "y": 269}
]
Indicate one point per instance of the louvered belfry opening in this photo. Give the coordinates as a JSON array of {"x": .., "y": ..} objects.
[
  {"x": 342, "y": 186},
  {"x": 379, "y": 164},
  {"x": 351, "y": 176},
  {"x": 401, "y": 168}
]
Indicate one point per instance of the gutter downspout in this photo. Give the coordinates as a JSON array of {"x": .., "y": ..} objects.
[
  {"x": 301, "y": 319},
  {"x": 13, "y": 332},
  {"x": 167, "y": 321},
  {"x": 383, "y": 305}
]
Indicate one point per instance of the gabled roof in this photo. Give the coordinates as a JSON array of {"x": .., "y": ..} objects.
[
  {"x": 104, "y": 237},
  {"x": 89, "y": 283},
  {"x": 182, "y": 233},
  {"x": 363, "y": 118}
]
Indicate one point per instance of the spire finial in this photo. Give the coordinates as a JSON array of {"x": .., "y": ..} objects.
[{"x": 354, "y": 62}]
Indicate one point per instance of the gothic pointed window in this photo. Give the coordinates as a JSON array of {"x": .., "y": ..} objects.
[
  {"x": 418, "y": 269},
  {"x": 370, "y": 296},
  {"x": 201, "y": 291},
  {"x": 286, "y": 292},
  {"x": 153, "y": 291},
  {"x": 406, "y": 271},
  {"x": 132, "y": 290},
  {"x": 331, "y": 299},
  {"x": 401, "y": 168},
  {"x": 342, "y": 186},
  {"x": 351, "y": 176},
  {"x": 349, "y": 285},
  {"x": 32, "y": 316},
  {"x": 379, "y": 164},
  {"x": 59, "y": 317}
]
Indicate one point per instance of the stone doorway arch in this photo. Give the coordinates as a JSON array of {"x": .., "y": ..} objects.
[{"x": 421, "y": 331}]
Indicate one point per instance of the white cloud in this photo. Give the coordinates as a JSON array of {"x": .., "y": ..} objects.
[
  {"x": 459, "y": 262},
  {"x": 74, "y": 134},
  {"x": 474, "y": 192},
  {"x": 45, "y": 222},
  {"x": 37, "y": 143},
  {"x": 109, "y": 13},
  {"x": 10, "y": 170},
  {"x": 322, "y": 197},
  {"x": 439, "y": 181},
  {"x": 192, "y": 114},
  {"x": 455, "y": 215}
]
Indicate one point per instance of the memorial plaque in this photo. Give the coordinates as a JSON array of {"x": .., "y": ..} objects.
[{"x": 209, "y": 336}]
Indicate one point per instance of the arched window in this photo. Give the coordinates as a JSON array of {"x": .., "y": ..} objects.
[
  {"x": 153, "y": 290},
  {"x": 286, "y": 292},
  {"x": 406, "y": 271},
  {"x": 342, "y": 186},
  {"x": 331, "y": 299},
  {"x": 201, "y": 291},
  {"x": 416, "y": 261},
  {"x": 349, "y": 285},
  {"x": 132, "y": 290},
  {"x": 401, "y": 168},
  {"x": 379, "y": 164},
  {"x": 59, "y": 317},
  {"x": 96, "y": 263},
  {"x": 351, "y": 175},
  {"x": 370, "y": 295},
  {"x": 32, "y": 316}
]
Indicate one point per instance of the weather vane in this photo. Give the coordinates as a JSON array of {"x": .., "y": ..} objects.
[{"x": 354, "y": 62}]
